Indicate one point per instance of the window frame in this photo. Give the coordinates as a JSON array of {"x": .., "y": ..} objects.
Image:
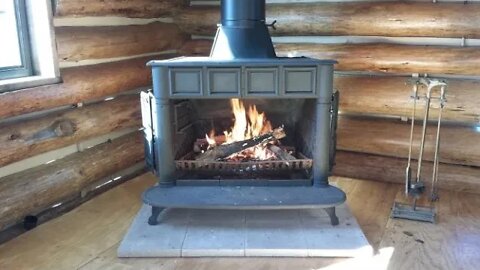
[
  {"x": 26, "y": 69},
  {"x": 44, "y": 61}
]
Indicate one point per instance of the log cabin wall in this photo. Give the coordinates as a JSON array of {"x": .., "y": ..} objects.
[
  {"x": 379, "y": 46},
  {"x": 61, "y": 144}
]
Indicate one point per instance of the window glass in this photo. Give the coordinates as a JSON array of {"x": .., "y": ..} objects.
[{"x": 10, "y": 55}]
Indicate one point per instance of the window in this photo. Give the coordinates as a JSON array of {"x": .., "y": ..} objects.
[
  {"x": 15, "y": 58},
  {"x": 27, "y": 47}
]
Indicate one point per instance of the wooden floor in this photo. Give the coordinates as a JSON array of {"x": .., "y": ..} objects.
[{"x": 87, "y": 237}]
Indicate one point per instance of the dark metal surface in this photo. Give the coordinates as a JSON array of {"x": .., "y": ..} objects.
[
  {"x": 243, "y": 197},
  {"x": 268, "y": 79},
  {"x": 156, "y": 211},
  {"x": 416, "y": 213},
  {"x": 333, "y": 128},
  {"x": 321, "y": 148},
  {"x": 153, "y": 219},
  {"x": 235, "y": 11},
  {"x": 257, "y": 62},
  {"x": 243, "y": 32},
  {"x": 262, "y": 182},
  {"x": 162, "y": 128},
  {"x": 226, "y": 166},
  {"x": 243, "y": 64},
  {"x": 333, "y": 216}
]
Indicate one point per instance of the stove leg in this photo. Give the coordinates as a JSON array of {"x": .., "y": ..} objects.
[
  {"x": 153, "y": 220},
  {"x": 333, "y": 217}
]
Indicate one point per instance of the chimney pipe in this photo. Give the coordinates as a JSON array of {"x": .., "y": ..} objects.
[
  {"x": 234, "y": 12},
  {"x": 242, "y": 33}
]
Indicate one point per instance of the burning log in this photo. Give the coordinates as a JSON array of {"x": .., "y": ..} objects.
[
  {"x": 202, "y": 144},
  {"x": 282, "y": 154},
  {"x": 225, "y": 150}
]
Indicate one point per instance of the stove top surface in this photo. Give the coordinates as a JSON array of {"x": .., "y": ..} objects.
[{"x": 202, "y": 61}]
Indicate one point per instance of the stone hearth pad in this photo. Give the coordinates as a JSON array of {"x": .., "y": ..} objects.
[{"x": 245, "y": 233}]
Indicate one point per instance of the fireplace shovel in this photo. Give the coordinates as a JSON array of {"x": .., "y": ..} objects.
[{"x": 416, "y": 188}]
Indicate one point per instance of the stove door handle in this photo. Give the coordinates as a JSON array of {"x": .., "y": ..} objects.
[{"x": 333, "y": 128}]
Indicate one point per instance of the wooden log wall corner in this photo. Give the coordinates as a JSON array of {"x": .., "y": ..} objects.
[
  {"x": 38, "y": 188},
  {"x": 103, "y": 48},
  {"x": 33, "y": 190},
  {"x": 121, "y": 8},
  {"x": 23, "y": 139}
]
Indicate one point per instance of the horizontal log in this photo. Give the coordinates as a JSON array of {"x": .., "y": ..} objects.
[
  {"x": 196, "y": 47},
  {"x": 37, "y": 189},
  {"x": 119, "y": 8},
  {"x": 82, "y": 43},
  {"x": 281, "y": 153},
  {"x": 392, "y": 58},
  {"x": 355, "y": 19},
  {"x": 26, "y": 138},
  {"x": 391, "y": 96},
  {"x": 80, "y": 84},
  {"x": 459, "y": 144},
  {"x": 390, "y": 169},
  {"x": 380, "y": 57}
]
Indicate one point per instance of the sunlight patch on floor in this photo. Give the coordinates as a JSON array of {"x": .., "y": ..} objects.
[{"x": 378, "y": 261}]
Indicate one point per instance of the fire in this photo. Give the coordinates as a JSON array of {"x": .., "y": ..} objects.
[
  {"x": 241, "y": 128},
  {"x": 248, "y": 123},
  {"x": 211, "y": 138}
]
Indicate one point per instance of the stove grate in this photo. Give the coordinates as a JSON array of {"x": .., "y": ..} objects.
[{"x": 187, "y": 164}]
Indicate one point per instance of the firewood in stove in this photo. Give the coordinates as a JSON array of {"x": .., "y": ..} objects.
[
  {"x": 225, "y": 150},
  {"x": 202, "y": 144},
  {"x": 197, "y": 148},
  {"x": 281, "y": 154}
]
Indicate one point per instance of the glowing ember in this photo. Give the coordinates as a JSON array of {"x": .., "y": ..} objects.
[{"x": 247, "y": 124}]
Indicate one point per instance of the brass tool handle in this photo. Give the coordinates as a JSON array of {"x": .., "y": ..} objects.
[{"x": 408, "y": 173}]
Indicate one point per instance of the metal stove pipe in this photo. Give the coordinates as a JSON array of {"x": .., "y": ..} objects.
[
  {"x": 238, "y": 11},
  {"x": 242, "y": 33}
]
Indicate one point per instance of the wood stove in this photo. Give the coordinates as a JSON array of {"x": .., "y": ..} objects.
[{"x": 191, "y": 95}]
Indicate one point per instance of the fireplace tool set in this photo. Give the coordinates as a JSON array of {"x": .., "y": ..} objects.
[{"x": 414, "y": 184}]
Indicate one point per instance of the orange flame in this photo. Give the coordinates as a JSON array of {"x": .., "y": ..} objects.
[
  {"x": 247, "y": 124},
  {"x": 211, "y": 139}
]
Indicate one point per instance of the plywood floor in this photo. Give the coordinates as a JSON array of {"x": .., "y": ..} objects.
[{"x": 87, "y": 237}]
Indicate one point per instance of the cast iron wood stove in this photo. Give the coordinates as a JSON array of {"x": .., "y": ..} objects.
[{"x": 187, "y": 99}]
